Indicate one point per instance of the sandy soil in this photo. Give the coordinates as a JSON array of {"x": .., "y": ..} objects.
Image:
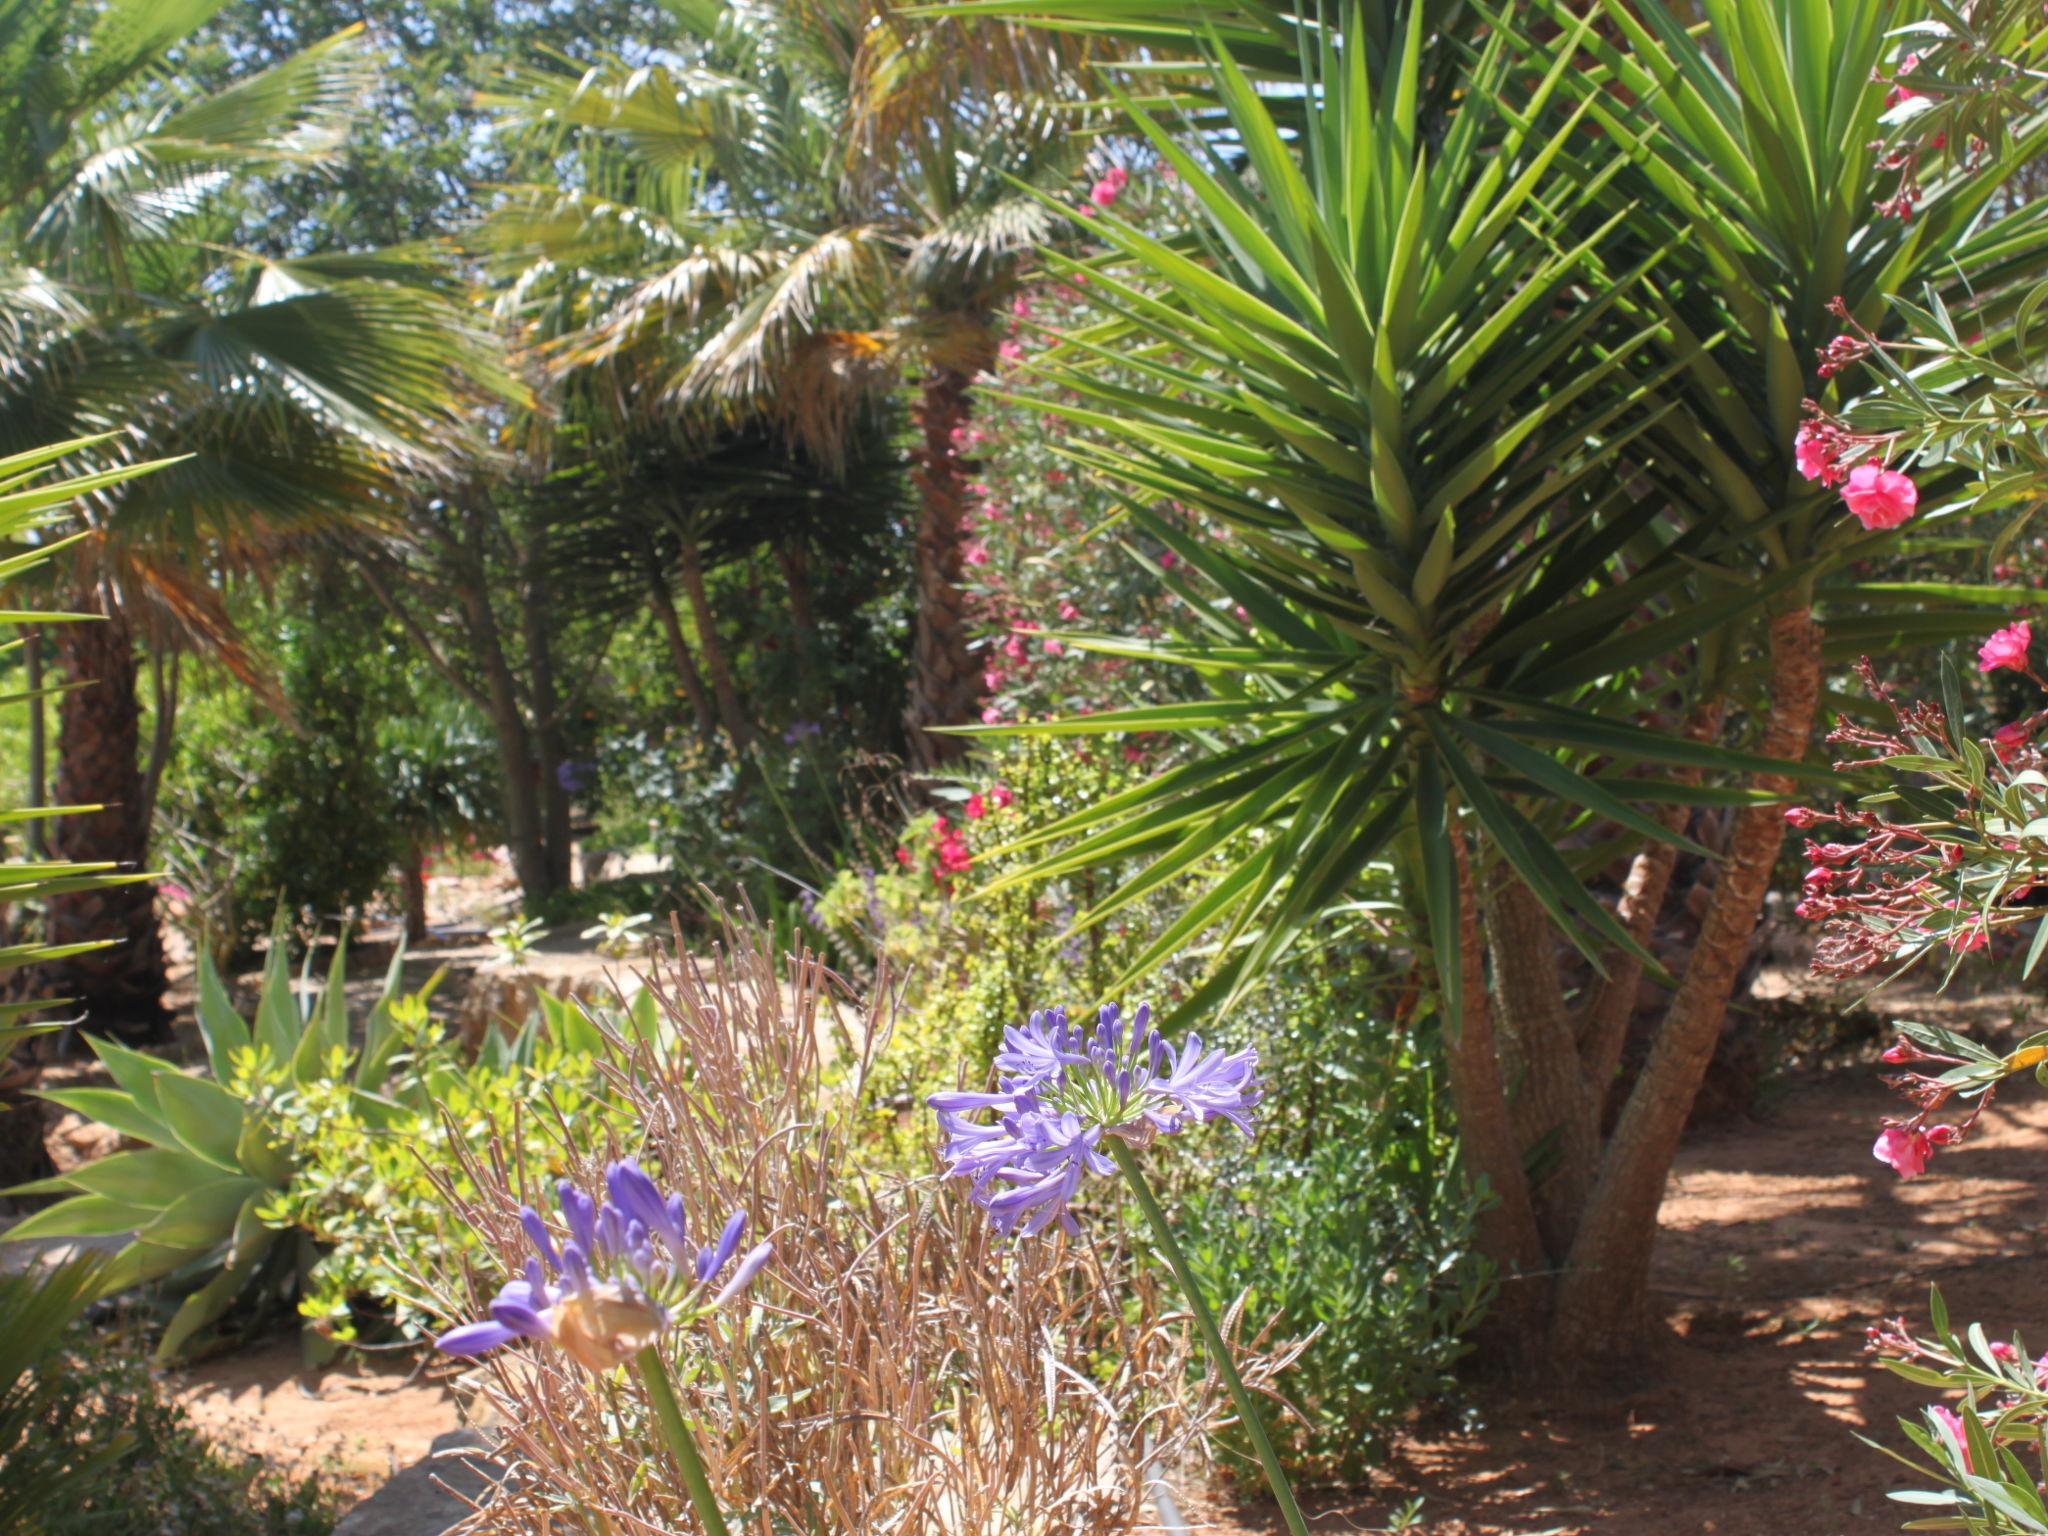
[
  {"x": 1782, "y": 1241},
  {"x": 355, "y": 1423}
]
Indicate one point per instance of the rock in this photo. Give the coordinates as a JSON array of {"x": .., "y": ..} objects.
[
  {"x": 432, "y": 1495},
  {"x": 73, "y": 1140}
]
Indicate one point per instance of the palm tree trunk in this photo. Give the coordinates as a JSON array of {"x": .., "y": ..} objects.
[
  {"x": 1603, "y": 1298},
  {"x": 99, "y": 742},
  {"x": 737, "y": 728},
  {"x": 945, "y": 681}
]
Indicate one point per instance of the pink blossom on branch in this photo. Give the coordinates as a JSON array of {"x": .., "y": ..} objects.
[
  {"x": 2006, "y": 647},
  {"x": 1904, "y": 1151},
  {"x": 1879, "y": 497}
]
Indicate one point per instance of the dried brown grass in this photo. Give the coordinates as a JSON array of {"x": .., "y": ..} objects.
[{"x": 901, "y": 1369}]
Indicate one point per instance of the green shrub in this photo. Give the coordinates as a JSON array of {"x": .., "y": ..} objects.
[
  {"x": 362, "y": 1189},
  {"x": 99, "y": 1390},
  {"x": 975, "y": 954},
  {"x": 1349, "y": 1217}
]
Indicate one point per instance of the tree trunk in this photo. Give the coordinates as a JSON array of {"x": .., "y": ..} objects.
[
  {"x": 945, "y": 681},
  {"x": 1603, "y": 1028},
  {"x": 1550, "y": 1096},
  {"x": 737, "y": 728},
  {"x": 1508, "y": 1231},
  {"x": 679, "y": 653},
  {"x": 412, "y": 893},
  {"x": 795, "y": 560},
  {"x": 99, "y": 740},
  {"x": 523, "y": 831},
  {"x": 1603, "y": 1298},
  {"x": 536, "y": 618},
  {"x": 38, "y": 735}
]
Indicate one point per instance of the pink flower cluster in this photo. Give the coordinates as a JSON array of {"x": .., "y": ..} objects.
[
  {"x": 1110, "y": 187},
  {"x": 1876, "y": 496}
]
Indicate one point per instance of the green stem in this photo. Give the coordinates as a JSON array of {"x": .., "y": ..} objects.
[
  {"x": 1212, "y": 1336},
  {"x": 681, "y": 1443}
]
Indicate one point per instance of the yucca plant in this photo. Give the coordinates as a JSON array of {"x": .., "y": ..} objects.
[
  {"x": 1488, "y": 395},
  {"x": 217, "y": 1147}
]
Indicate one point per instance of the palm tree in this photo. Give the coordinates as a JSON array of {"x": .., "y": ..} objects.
[
  {"x": 820, "y": 197},
  {"x": 292, "y": 385}
]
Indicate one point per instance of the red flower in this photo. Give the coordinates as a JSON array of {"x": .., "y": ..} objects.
[
  {"x": 1000, "y": 797},
  {"x": 976, "y": 808}
]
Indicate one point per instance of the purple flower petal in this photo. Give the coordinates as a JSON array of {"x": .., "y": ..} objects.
[
  {"x": 474, "y": 1338},
  {"x": 756, "y": 1260}
]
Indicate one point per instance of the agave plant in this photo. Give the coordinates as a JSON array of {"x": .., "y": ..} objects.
[
  {"x": 216, "y": 1147},
  {"x": 1482, "y": 361}
]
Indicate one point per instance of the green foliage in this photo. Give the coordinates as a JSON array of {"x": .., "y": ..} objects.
[
  {"x": 364, "y": 1185},
  {"x": 217, "y": 1147},
  {"x": 357, "y": 735},
  {"x": 974, "y": 953},
  {"x": 516, "y": 939},
  {"x": 38, "y": 1304},
  {"x": 1349, "y": 1218},
  {"x": 99, "y": 1392}
]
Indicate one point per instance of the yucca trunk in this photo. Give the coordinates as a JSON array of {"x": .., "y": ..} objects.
[
  {"x": 99, "y": 743},
  {"x": 945, "y": 681},
  {"x": 1603, "y": 1296}
]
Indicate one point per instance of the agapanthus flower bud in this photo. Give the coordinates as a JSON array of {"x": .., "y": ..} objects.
[
  {"x": 1063, "y": 1089},
  {"x": 604, "y": 1293}
]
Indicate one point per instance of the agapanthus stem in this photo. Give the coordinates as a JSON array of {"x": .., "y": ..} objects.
[
  {"x": 675, "y": 1432},
  {"x": 1212, "y": 1336}
]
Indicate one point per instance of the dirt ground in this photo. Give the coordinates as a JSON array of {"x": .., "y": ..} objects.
[{"x": 1782, "y": 1240}]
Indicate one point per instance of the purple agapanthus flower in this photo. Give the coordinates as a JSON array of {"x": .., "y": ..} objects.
[
  {"x": 622, "y": 1274},
  {"x": 1061, "y": 1090}
]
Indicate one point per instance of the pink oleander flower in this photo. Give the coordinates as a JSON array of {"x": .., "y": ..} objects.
[
  {"x": 1009, "y": 352},
  {"x": 1880, "y": 497},
  {"x": 1110, "y": 187},
  {"x": 1069, "y": 612},
  {"x": 1902, "y": 1051},
  {"x": 992, "y": 715},
  {"x": 1000, "y": 797},
  {"x": 2006, "y": 648},
  {"x": 1055, "y": 648},
  {"x": 1904, "y": 1152},
  {"x": 975, "y": 554},
  {"x": 1168, "y": 560},
  {"x": 2007, "y": 740},
  {"x": 976, "y": 807},
  {"x": 1816, "y": 457},
  {"x": 1952, "y": 1421}
]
